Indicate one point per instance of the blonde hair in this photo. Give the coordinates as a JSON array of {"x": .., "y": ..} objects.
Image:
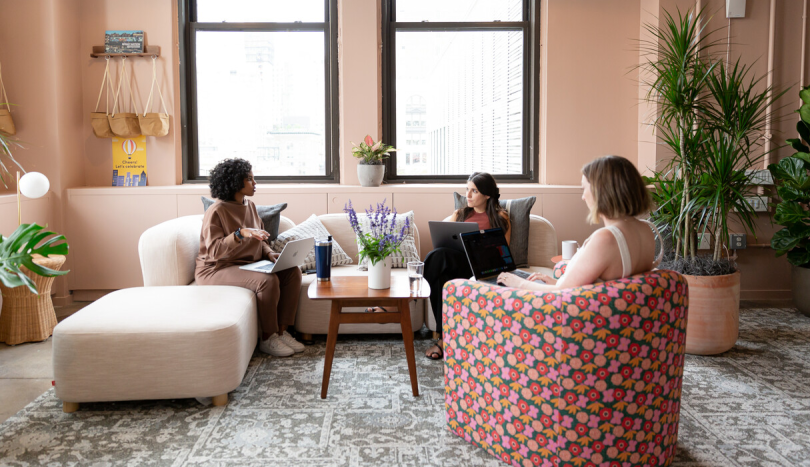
[{"x": 617, "y": 187}]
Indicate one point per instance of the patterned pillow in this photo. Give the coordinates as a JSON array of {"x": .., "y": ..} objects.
[
  {"x": 310, "y": 228},
  {"x": 407, "y": 249}
]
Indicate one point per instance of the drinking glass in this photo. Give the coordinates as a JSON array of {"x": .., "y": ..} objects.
[{"x": 415, "y": 271}]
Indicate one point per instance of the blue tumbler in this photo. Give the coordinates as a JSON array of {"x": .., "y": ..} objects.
[{"x": 323, "y": 259}]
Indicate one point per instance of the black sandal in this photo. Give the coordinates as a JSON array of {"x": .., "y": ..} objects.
[
  {"x": 372, "y": 309},
  {"x": 435, "y": 355}
]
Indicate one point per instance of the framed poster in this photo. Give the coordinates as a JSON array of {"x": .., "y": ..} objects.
[
  {"x": 129, "y": 161},
  {"x": 123, "y": 42}
]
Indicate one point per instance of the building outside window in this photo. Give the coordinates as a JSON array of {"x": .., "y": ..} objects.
[
  {"x": 261, "y": 85},
  {"x": 460, "y": 80}
]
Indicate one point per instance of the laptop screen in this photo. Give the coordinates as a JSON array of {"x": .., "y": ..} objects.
[{"x": 488, "y": 252}]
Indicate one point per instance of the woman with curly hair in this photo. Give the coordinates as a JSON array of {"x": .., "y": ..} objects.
[{"x": 233, "y": 235}]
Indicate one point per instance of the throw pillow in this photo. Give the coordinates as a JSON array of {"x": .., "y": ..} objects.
[
  {"x": 270, "y": 215},
  {"x": 407, "y": 249},
  {"x": 311, "y": 228},
  {"x": 519, "y": 210}
]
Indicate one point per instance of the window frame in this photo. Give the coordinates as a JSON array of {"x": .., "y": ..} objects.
[
  {"x": 531, "y": 88},
  {"x": 188, "y": 26}
]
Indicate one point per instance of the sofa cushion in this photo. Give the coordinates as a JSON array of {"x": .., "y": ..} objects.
[
  {"x": 311, "y": 228},
  {"x": 407, "y": 249},
  {"x": 270, "y": 215},
  {"x": 519, "y": 211},
  {"x": 156, "y": 343}
]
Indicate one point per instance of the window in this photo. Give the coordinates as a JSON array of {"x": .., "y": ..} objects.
[
  {"x": 260, "y": 83},
  {"x": 460, "y": 87}
]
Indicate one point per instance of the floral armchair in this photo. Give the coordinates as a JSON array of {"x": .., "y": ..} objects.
[{"x": 589, "y": 376}]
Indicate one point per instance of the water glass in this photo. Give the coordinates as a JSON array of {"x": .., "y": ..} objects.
[{"x": 415, "y": 271}]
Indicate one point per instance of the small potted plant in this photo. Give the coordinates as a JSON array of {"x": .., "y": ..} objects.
[
  {"x": 377, "y": 241},
  {"x": 793, "y": 186},
  {"x": 370, "y": 171}
]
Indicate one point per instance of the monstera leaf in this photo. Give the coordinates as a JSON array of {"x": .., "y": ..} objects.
[{"x": 17, "y": 250}]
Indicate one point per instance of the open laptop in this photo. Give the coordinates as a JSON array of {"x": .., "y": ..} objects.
[
  {"x": 446, "y": 234},
  {"x": 489, "y": 255},
  {"x": 293, "y": 254}
]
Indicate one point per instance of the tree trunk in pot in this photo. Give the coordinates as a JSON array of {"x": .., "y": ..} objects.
[
  {"x": 370, "y": 175},
  {"x": 801, "y": 289},
  {"x": 714, "y": 313}
]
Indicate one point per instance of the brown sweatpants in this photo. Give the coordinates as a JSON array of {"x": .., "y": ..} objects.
[{"x": 277, "y": 294}]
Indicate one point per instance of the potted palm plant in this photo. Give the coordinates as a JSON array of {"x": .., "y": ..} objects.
[
  {"x": 712, "y": 116},
  {"x": 371, "y": 170},
  {"x": 793, "y": 187}
]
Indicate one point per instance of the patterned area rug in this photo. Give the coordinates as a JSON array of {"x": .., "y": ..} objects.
[{"x": 748, "y": 407}]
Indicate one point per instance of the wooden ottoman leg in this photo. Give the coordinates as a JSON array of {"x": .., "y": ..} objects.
[
  {"x": 69, "y": 407},
  {"x": 305, "y": 336},
  {"x": 220, "y": 400}
]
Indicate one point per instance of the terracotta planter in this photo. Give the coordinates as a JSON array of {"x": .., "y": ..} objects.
[
  {"x": 714, "y": 313},
  {"x": 801, "y": 289}
]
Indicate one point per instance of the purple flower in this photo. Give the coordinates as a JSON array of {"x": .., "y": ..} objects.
[{"x": 379, "y": 238}]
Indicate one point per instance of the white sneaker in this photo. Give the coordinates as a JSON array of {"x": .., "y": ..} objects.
[
  {"x": 275, "y": 347},
  {"x": 292, "y": 343}
]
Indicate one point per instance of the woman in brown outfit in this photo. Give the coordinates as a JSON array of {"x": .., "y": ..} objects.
[{"x": 233, "y": 235}]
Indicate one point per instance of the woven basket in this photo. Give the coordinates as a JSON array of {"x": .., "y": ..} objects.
[{"x": 26, "y": 317}]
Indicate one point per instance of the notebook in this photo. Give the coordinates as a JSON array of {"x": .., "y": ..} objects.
[
  {"x": 489, "y": 255},
  {"x": 294, "y": 254}
]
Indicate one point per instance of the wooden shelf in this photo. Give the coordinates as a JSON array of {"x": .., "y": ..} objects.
[{"x": 150, "y": 50}]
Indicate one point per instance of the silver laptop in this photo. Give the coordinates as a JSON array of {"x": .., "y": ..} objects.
[
  {"x": 448, "y": 234},
  {"x": 293, "y": 254}
]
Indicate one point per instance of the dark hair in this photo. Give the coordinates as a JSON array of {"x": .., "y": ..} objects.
[
  {"x": 228, "y": 178},
  {"x": 486, "y": 185},
  {"x": 617, "y": 187}
]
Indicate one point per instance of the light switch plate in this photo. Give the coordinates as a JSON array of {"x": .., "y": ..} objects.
[{"x": 735, "y": 8}]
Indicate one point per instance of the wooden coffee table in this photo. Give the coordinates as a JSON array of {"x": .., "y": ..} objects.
[{"x": 353, "y": 291}]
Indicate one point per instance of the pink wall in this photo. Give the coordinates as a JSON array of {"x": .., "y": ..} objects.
[{"x": 589, "y": 105}]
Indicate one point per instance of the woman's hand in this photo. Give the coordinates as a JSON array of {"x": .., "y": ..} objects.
[
  {"x": 542, "y": 277},
  {"x": 509, "y": 280},
  {"x": 273, "y": 256},
  {"x": 258, "y": 234}
]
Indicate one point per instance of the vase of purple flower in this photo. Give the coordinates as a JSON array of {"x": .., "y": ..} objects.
[{"x": 377, "y": 239}]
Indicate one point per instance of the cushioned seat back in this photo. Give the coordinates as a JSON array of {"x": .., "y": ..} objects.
[
  {"x": 168, "y": 251},
  {"x": 338, "y": 225},
  {"x": 542, "y": 242}
]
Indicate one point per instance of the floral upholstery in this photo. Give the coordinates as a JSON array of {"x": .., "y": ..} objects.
[
  {"x": 559, "y": 268},
  {"x": 589, "y": 376}
]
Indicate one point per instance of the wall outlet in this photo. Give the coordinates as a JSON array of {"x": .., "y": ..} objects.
[
  {"x": 704, "y": 241},
  {"x": 737, "y": 241}
]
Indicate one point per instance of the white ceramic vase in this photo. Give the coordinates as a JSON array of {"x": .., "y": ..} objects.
[
  {"x": 370, "y": 175},
  {"x": 379, "y": 275}
]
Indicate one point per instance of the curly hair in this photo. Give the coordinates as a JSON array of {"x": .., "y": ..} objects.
[{"x": 228, "y": 178}]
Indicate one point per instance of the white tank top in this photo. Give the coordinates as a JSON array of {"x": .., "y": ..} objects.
[{"x": 624, "y": 251}]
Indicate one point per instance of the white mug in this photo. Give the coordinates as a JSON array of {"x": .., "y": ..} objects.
[{"x": 569, "y": 248}]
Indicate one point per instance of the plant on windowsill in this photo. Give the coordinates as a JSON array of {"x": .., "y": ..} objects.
[
  {"x": 713, "y": 116},
  {"x": 793, "y": 187},
  {"x": 379, "y": 242},
  {"x": 370, "y": 170}
]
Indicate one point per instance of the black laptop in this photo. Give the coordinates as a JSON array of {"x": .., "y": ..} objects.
[{"x": 489, "y": 255}]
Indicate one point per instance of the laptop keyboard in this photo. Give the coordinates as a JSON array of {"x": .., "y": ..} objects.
[
  {"x": 267, "y": 267},
  {"x": 494, "y": 279}
]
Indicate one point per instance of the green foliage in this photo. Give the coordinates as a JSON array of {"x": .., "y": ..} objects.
[
  {"x": 712, "y": 117},
  {"x": 6, "y": 143},
  {"x": 371, "y": 153},
  {"x": 17, "y": 250},
  {"x": 793, "y": 186}
]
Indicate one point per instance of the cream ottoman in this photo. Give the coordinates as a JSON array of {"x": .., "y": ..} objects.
[{"x": 156, "y": 343}]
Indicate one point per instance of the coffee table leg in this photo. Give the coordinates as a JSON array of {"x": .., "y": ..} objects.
[
  {"x": 331, "y": 340},
  {"x": 407, "y": 337}
]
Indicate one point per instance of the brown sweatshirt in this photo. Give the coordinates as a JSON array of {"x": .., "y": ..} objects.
[{"x": 219, "y": 247}]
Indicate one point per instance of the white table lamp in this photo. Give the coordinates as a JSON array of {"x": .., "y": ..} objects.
[{"x": 33, "y": 185}]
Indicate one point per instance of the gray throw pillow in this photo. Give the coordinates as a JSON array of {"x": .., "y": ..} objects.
[
  {"x": 519, "y": 210},
  {"x": 270, "y": 215}
]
